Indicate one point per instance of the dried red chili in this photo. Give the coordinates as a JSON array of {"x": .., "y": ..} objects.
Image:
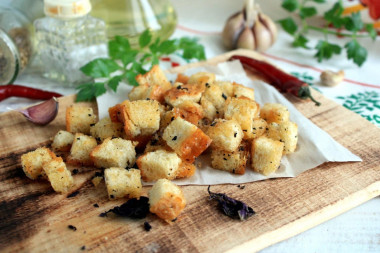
[
  {"x": 282, "y": 81},
  {"x": 13, "y": 90}
]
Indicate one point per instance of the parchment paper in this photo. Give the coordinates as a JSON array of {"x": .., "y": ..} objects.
[{"x": 314, "y": 146}]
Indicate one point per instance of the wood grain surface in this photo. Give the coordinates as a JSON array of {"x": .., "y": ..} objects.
[{"x": 33, "y": 218}]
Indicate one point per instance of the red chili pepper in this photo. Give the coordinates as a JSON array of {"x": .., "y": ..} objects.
[
  {"x": 374, "y": 8},
  {"x": 13, "y": 90},
  {"x": 282, "y": 81}
]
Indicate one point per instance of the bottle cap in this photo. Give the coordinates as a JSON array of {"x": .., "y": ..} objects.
[{"x": 66, "y": 9}]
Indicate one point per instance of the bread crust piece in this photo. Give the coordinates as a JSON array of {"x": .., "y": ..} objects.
[
  {"x": 81, "y": 149},
  {"x": 122, "y": 183},
  {"x": 183, "y": 92},
  {"x": 233, "y": 162},
  {"x": 58, "y": 175},
  {"x": 79, "y": 119},
  {"x": 225, "y": 134},
  {"x": 286, "y": 132},
  {"x": 32, "y": 162},
  {"x": 273, "y": 112},
  {"x": 154, "y": 77},
  {"x": 266, "y": 155},
  {"x": 62, "y": 141}
]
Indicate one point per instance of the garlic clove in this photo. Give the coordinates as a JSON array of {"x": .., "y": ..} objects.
[
  {"x": 270, "y": 25},
  {"x": 42, "y": 113},
  {"x": 330, "y": 78},
  {"x": 232, "y": 29},
  {"x": 262, "y": 37},
  {"x": 246, "y": 39}
]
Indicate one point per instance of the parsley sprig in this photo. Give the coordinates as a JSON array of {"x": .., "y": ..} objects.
[
  {"x": 130, "y": 62},
  {"x": 334, "y": 18}
]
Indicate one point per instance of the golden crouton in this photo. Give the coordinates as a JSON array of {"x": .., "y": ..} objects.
[
  {"x": 201, "y": 78},
  {"x": 32, "y": 162},
  {"x": 227, "y": 87},
  {"x": 234, "y": 162},
  {"x": 81, "y": 149},
  {"x": 59, "y": 176},
  {"x": 140, "y": 117},
  {"x": 243, "y": 91},
  {"x": 154, "y": 77},
  {"x": 105, "y": 128},
  {"x": 209, "y": 110},
  {"x": 266, "y": 155},
  {"x": 274, "y": 113},
  {"x": 259, "y": 127},
  {"x": 156, "y": 143},
  {"x": 166, "y": 200},
  {"x": 186, "y": 170},
  {"x": 123, "y": 183},
  {"x": 225, "y": 134},
  {"x": 181, "y": 78},
  {"x": 79, "y": 119},
  {"x": 215, "y": 95},
  {"x": 186, "y": 139},
  {"x": 115, "y": 152},
  {"x": 190, "y": 111},
  {"x": 243, "y": 110},
  {"x": 62, "y": 141},
  {"x": 286, "y": 132},
  {"x": 158, "y": 164},
  {"x": 144, "y": 92},
  {"x": 183, "y": 92}
]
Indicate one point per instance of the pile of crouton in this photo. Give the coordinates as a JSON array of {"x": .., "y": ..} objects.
[{"x": 157, "y": 134}]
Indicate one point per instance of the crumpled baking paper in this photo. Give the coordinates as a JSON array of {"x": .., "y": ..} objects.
[{"x": 314, "y": 147}]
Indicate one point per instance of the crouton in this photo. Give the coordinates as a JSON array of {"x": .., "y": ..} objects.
[
  {"x": 166, "y": 200},
  {"x": 209, "y": 110},
  {"x": 140, "y": 117},
  {"x": 190, "y": 111},
  {"x": 243, "y": 110},
  {"x": 122, "y": 183},
  {"x": 114, "y": 113},
  {"x": 186, "y": 170},
  {"x": 154, "y": 77},
  {"x": 81, "y": 149},
  {"x": 225, "y": 134},
  {"x": 158, "y": 164},
  {"x": 286, "y": 132},
  {"x": 62, "y": 141},
  {"x": 266, "y": 155},
  {"x": 183, "y": 92},
  {"x": 273, "y": 112},
  {"x": 201, "y": 78},
  {"x": 79, "y": 119},
  {"x": 156, "y": 143},
  {"x": 105, "y": 128},
  {"x": 186, "y": 139},
  {"x": 227, "y": 87},
  {"x": 215, "y": 95},
  {"x": 32, "y": 162},
  {"x": 259, "y": 127},
  {"x": 59, "y": 176},
  {"x": 115, "y": 152},
  {"x": 97, "y": 178},
  {"x": 181, "y": 78},
  {"x": 145, "y": 92},
  {"x": 243, "y": 91},
  {"x": 233, "y": 162}
]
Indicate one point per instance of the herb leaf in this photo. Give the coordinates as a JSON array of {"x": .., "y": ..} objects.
[
  {"x": 326, "y": 50},
  {"x": 371, "y": 31},
  {"x": 300, "y": 41},
  {"x": 307, "y": 12},
  {"x": 354, "y": 23},
  {"x": 100, "y": 68},
  {"x": 288, "y": 25},
  {"x": 90, "y": 90},
  {"x": 290, "y": 5},
  {"x": 113, "y": 83},
  {"x": 145, "y": 38},
  {"x": 356, "y": 52},
  {"x": 333, "y": 15}
]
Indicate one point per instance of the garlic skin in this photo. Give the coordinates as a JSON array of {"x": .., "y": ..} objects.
[
  {"x": 330, "y": 78},
  {"x": 249, "y": 29},
  {"x": 43, "y": 113}
]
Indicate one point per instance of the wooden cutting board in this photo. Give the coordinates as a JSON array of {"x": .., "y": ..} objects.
[{"x": 33, "y": 218}]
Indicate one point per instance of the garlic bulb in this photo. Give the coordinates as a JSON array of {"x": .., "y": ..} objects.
[{"x": 250, "y": 29}]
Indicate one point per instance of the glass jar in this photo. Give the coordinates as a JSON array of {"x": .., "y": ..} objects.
[
  {"x": 68, "y": 38},
  {"x": 16, "y": 43},
  {"x": 130, "y": 18}
]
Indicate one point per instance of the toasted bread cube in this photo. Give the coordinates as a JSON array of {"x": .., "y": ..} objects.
[
  {"x": 215, "y": 95},
  {"x": 159, "y": 164},
  {"x": 227, "y": 87},
  {"x": 32, "y": 162},
  {"x": 81, "y": 149},
  {"x": 190, "y": 111},
  {"x": 114, "y": 113},
  {"x": 59, "y": 176},
  {"x": 166, "y": 200},
  {"x": 79, "y": 119},
  {"x": 243, "y": 110},
  {"x": 140, "y": 117},
  {"x": 181, "y": 78},
  {"x": 266, "y": 155},
  {"x": 156, "y": 143},
  {"x": 62, "y": 141},
  {"x": 201, "y": 78},
  {"x": 123, "y": 183},
  {"x": 259, "y": 127},
  {"x": 225, "y": 134},
  {"x": 105, "y": 128},
  {"x": 145, "y": 92},
  {"x": 186, "y": 139},
  {"x": 243, "y": 91},
  {"x": 233, "y": 162},
  {"x": 154, "y": 77},
  {"x": 286, "y": 132},
  {"x": 209, "y": 110},
  {"x": 186, "y": 170},
  {"x": 273, "y": 112},
  {"x": 183, "y": 92},
  {"x": 115, "y": 152}
]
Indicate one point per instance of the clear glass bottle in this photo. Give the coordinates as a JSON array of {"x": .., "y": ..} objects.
[
  {"x": 68, "y": 38},
  {"x": 130, "y": 18}
]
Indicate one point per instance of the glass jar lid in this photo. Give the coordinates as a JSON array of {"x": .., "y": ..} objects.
[{"x": 9, "y": 59}]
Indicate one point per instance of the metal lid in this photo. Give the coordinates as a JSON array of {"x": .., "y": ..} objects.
[
  {"x": 66, "y": 9},
  {"x": 9, "y": 59}
]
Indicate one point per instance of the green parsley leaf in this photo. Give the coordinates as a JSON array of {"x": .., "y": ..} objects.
[
  {"x": 154, "y": 46},
  {"x": 356, "y": 52},
  {"x": 131, "y": 77},
  {"x": 319, "y": 1},
  {"x": 89, "y": 91},
  {"x": 288, "y": 25},
  {"x": 326, "y": 50},
  {"x": 354, "y": 23},
  {"x": 290, "y": 5},
  {"x": 167, "y": 47},
  {"x": 100, "y": 67},
  {"x": 129, "y": 57},
  {"x": 334, "y": 15},
  {"x": 113, "y": 83},
  {"x": 137, "y": 67},
  {"x": 118, "y": 47},
  {"x": 371, "y": 31},
  {"x": 145, "y": 38},
  {"x": 307, "y": 12},
  {"x": 300, "y": 41}
]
